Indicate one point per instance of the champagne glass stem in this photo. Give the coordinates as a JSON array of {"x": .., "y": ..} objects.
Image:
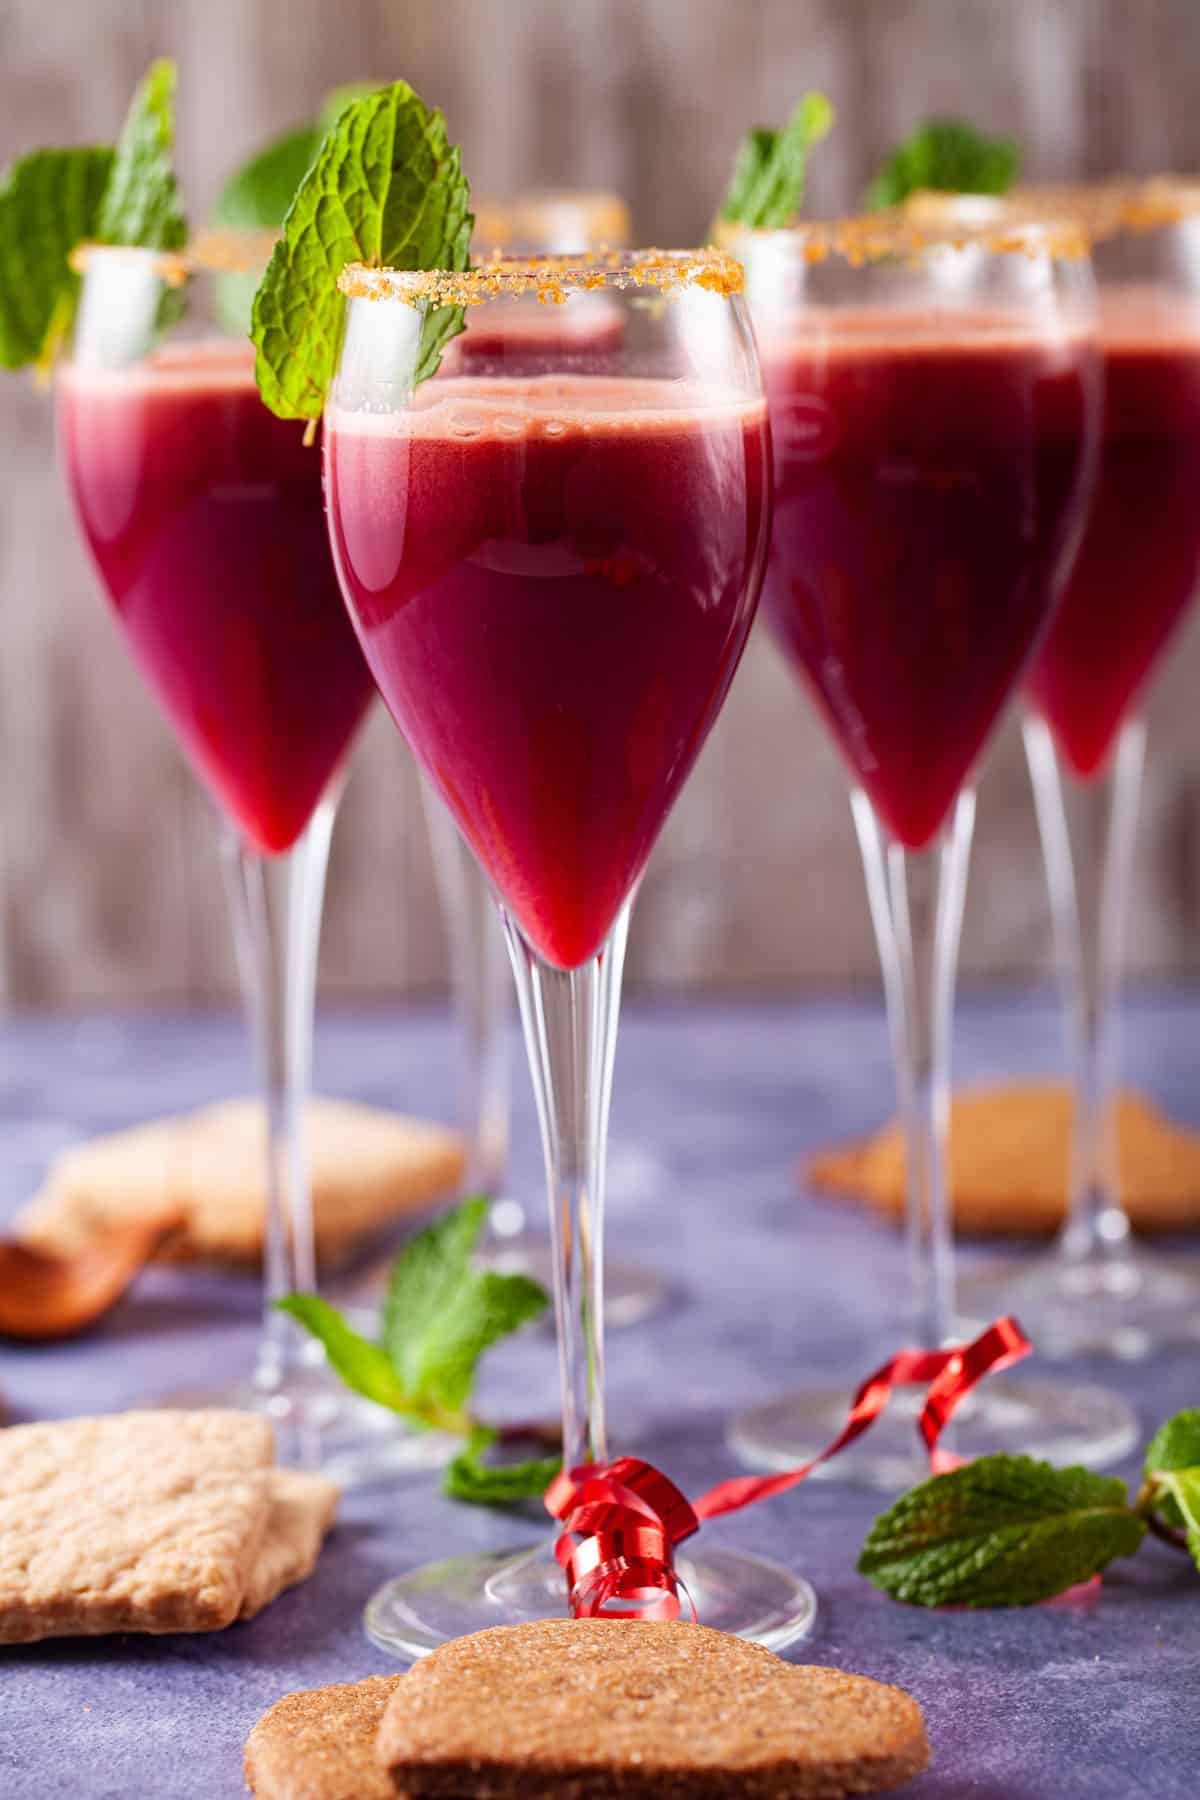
[
  {"x": 569, "y": 1017},
  {"x": 481, "y": 983},
  {"x": 916, "y": 901},
  {"x": 275, "y": 907},
  {"x": 1089, "y": 943}
]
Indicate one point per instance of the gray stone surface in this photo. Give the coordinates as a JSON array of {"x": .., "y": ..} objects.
[{"x": 772, "y": 1289}]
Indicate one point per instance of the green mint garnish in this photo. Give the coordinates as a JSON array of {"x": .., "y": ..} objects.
[
  {"x": 766, "y": 190},
  {"x": 1172, "y": 1455},
  {"x": 49, "y": 201},
  {"x": 441, "y": 1315},
  {"x": 947, "y": 156},
  {"x": 141, "y": 203},
  {"x": 483, "y": 1482},
  {"x": 52, "y": 200},
  {"x": 1001, "y": 1531},
  {"x": 257, "y": 195},
  {"x": 387, "y": 189}
]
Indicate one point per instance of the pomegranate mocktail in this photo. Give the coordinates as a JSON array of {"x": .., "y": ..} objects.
[
  {"x": 927, "y": 486},
  {"x": 1139, "y": 563},
  {"x": 203, "y": 513},
  {"x": 553, "y": 579}
]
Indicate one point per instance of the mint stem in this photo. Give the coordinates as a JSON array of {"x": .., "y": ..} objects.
[{"x": 1146, "y": 1507}]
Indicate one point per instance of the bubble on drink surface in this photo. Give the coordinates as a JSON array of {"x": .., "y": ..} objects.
[
  {"x": 509, "y": 425},
  {"x": 553, "y": 428},
  {"x": 464, "y": 422}
]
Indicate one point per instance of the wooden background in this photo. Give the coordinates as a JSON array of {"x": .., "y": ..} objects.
[{"x": 108, "y": 880}]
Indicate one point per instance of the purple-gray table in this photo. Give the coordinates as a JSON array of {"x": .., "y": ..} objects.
[{"x": 771, "y": 1288}]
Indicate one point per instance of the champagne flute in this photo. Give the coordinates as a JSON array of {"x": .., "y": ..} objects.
[
  {"x": 935, "y": 400},
  {"x": 203, "y": 516},
  {"x": 553, "y": 573}
]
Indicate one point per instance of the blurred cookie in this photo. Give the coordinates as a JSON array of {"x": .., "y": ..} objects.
[
  {"x": 1010, "y": 1152},
  {"x": 320, "y": 1744},
  {"x": 301, "y": 1511},
  {"x": 369, "y": 1168},
  {"x": 600, "y": 1708},
  {"x": 143, "y": 1521}
]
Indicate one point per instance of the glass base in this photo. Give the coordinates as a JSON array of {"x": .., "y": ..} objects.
[
  {"x": 732, "y": 1591},
  {"x": 1126, "y": 1305},
  {"x": 1065, "y": 1422},
  {"x": 319, "y": 1426},
  {"x": 633, "y": 1292}
]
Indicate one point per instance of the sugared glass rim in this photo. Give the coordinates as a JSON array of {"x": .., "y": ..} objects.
[
  {"x": 210, "y": 252},
  {"x": 899, "y": 232},
  {"x": 1102, "y": 209},
  {"x": 603, "y": 214},
  {"x": 551, "y": 278}
]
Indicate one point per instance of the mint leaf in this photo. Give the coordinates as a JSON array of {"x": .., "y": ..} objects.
[
  {"x": 1175, "y": 1445},
  {"x": 387, "y": 188},
  {"x": 257, "y": 195},
  {"x": 141, "y": 201},
  {"x": 441, "y": 1313},
  {"x": 49, "y": 201},
  {"x": 468, "y": 1477},
  {"x": 1001, "y": 1531},
  {"x": 948, "y": 156},
  {"x": 362, "y": 1365},
  {"x": 766, "y": 190},
  {"x": 256, "y": 198},
  {"x": 1182, "y": 1490},
  {"x": 335, "y": 103}
]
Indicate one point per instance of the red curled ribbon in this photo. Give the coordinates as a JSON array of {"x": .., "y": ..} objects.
[{"x": 621, "y": 1521}]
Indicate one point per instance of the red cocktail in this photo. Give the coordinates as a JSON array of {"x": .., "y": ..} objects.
[
  {"x": 553, "y": 601},
  {"x": 934, "y": 403},
  {"x": 927, "y": 481},
  {"x": 1139, "y": 565},
  {"x": 1101, "y": 1292},
  {"x": 553, "y": 572},
  {"x": 203, "y": 513}
]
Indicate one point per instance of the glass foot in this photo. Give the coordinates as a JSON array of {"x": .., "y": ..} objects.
[
  {"x": 319, "y": 1426},
  {"x": 633, "y": 1292},
  {"x": 1125, "y": 1305},
  {"x": 732, "y": 1591},
  {"x": 1065, "y": 1422}
]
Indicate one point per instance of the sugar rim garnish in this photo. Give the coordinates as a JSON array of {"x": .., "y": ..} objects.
[
  {"x": 901, "y": 232},
  {"x": 550, "y": 278},
  {"x": 210, "y": 252}
]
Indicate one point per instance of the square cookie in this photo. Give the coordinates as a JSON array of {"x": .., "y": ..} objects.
[{"x": 140, "y": 1521}]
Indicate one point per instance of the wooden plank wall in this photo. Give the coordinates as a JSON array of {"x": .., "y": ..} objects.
[{"x": 108, "y": 881}]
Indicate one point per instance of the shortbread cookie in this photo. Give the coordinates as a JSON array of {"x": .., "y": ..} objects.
[
  {"x": 369, "y": 1168},
  {"x": 301, "y": 1512},
  {"x": 613, "y": 1709},
  {"x": 320, "y": 1744},
  {"x": 142, "y": 1521},
  {"x": 1010, "y": 1151}
]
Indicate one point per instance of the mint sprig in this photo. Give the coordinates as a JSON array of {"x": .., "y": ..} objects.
[
  {"x": 440, "y": 1317},
  {"x": 1171, "y": 1493},
  {"x": 1010, "y": 1531},
  {"x": 766, "y": 189},
  {"x": 141, "y": 203},
  {"x": 1001, "y": 1531},
  {"x": 52, "y": 200},
  {"x": 386, "y": 189},
  {"x": 257, "y": 195},
  {"x": 480, "y": 1480},
  {"x": 946, "y": 156}
]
